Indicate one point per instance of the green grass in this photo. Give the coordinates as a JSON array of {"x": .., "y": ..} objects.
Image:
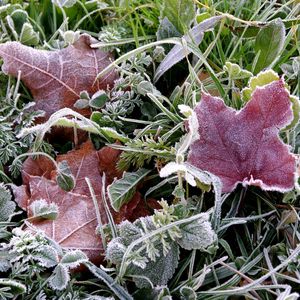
[{"x": 256, "y": 254}]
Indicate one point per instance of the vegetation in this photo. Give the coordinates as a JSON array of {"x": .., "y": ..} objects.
[{"x": 126, "y": 177}]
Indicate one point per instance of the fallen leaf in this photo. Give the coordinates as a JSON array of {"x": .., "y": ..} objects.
[
  {"x": 41, "y": 166},
  {"x": 56, "y": 78},
  {"x": 244, "y": 146},
  {"x": 108, "y": 158},
  {"x": 76, "y": 223}
]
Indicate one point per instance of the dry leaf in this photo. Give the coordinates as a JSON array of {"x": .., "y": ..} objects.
[
  {"x": 244, "y": 146},
  {"x": 108, "y": 159},
  {"x": 56, "y": 78},
  {"x": 76, "y": 223}
]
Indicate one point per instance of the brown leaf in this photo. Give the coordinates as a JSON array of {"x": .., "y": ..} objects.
[
  {"x": 108, "y": 158},
  {"x": 42, "y": 166},
  {"x": 56, "y": 78},
  {"x": 76, "y": 223}
]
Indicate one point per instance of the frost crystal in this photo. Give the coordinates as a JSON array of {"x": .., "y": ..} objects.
[{"x": 244, "y": 146}]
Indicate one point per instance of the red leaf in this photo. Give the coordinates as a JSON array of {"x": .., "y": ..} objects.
[
  {"x": 76, "y": 223},
  {"x": 244, "y": 146},
  {"x": 56, "y": 78}
]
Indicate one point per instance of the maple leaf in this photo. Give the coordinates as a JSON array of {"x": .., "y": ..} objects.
[
  {"x": 56, "y": 78},
  {"x": 244, "y": 146},
  {"x": 76, "y": 223}
]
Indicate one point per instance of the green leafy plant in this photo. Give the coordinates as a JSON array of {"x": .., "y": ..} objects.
[{"x": 119, "y": 165}]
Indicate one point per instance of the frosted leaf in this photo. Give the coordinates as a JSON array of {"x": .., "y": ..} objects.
[
  {"x": 41, "y": 209},
  {"x": 60, "y": 278},
  {"x": 14, "y": 286},
  {"x": 197, "y": 234},
  {"x": 158, "y": 271},
  {"x": 56, "y": 78},
  {"x": 244, "y": 146},
  {"x": 185, "y": 110},
  {"x": 187, "y": 293},
  {"x": 73, "y": 259},
  {"x": 7, "y": 206},
  {"x": 46, "y": 256},
  {"x": 173, "y": 167},
  {"x": 64, "y": 3},
  {"x": 115, "y": 250},
  {"x": 122, "y": 190},
  {"x": 129, "y": 232}
]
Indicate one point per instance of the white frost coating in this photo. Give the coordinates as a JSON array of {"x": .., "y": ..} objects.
[
  {"x": 193, "y": 127},
  {"x": 171, "y": 168},
  {"x": 174, "y": 167},
  {"x": 185, "y": 110}
]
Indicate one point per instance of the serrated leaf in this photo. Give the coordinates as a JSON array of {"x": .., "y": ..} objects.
[
  {"x": 7, "y": 206},
  {"x": 115, "y": 250},
  {"x": 122, "y": 190},
  {"x": 73, "y": 259},
  {"x": 177, "y": 53},
  {"x": 60, "y": 278},
  {"x": 268, "y": 44},
  {"x": 159, "y": 271},
  {"x": 47, "y": 256},
  {"x": 16, "y": 288},
  {"x": 179, "y": 12},
  {"x": 197, "y": 234},
  {"x": 42, "y": 209}
]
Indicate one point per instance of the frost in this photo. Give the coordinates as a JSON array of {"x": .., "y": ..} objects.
[
  {"x": 41, "y": 209},
  {"x": 46, "y": 256},
  {"x": 73, "y": 259},
  {"x": 197, "y": 234},
  {"x": 60, "y": 278},
  {"x": 159, "y": 271},
  {"x": 244, "y": 147},
  {"x": 7, "y": 206},
  {"x": 153, "y": 259}
]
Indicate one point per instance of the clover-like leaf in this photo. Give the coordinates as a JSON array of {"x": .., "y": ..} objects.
[
  {"x": 56, "y": 78},
  {"x": 159, "y": 271},
  {"x": 244, "y": 146}
]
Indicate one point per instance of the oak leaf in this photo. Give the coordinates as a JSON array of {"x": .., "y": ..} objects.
[
  {"x": 56, "y": 78},
  {"x": 244, "y": 146},
  {"x": 76, "y": 223}
]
